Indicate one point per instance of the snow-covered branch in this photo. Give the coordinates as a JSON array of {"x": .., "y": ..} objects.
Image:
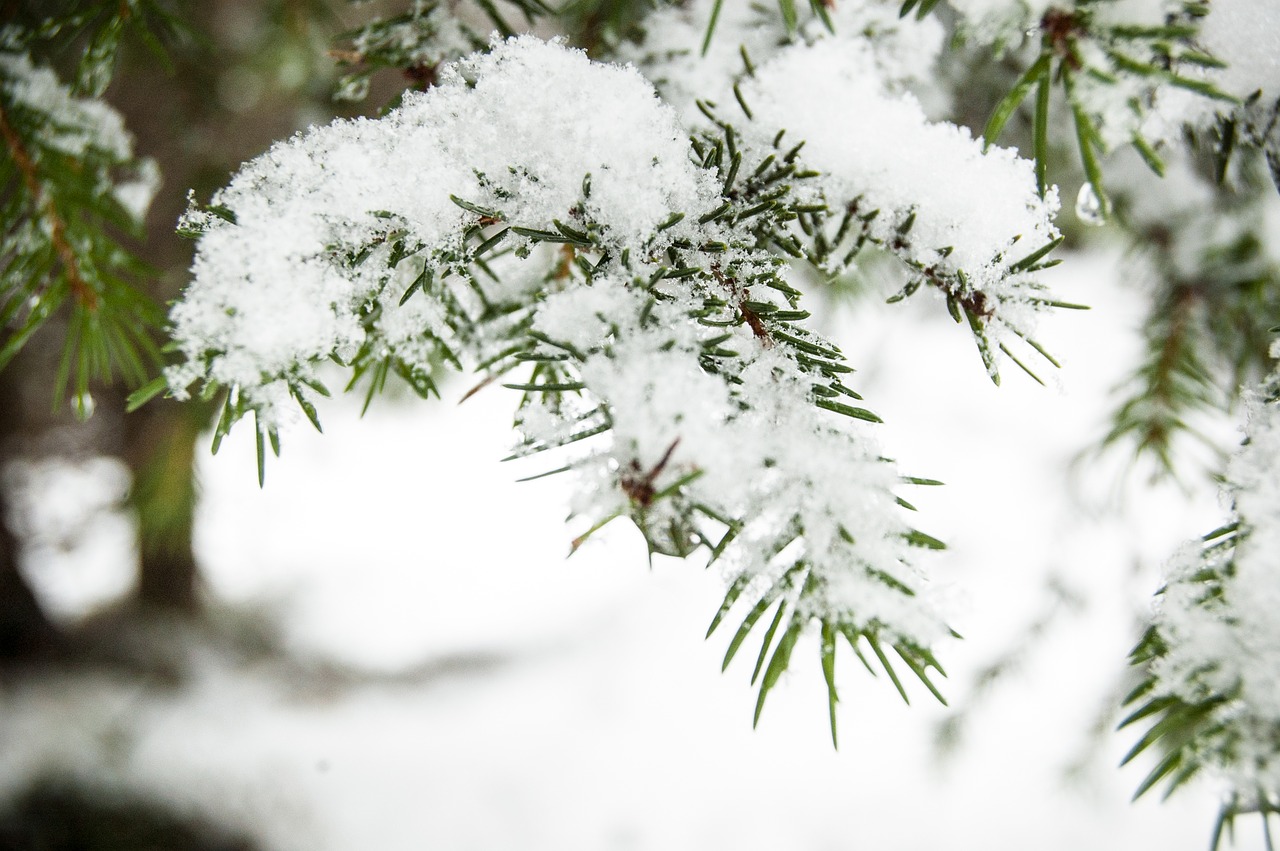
[
  {"x": 545, "y": 218},
  {"x": 71, "y": 184},
  {"x": 1212, "y": 653}
]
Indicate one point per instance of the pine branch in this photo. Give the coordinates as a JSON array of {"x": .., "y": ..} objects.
[
  {"x": 1101, "y": 63},
  {"x": 1171, "y": 385},
  {"x": 1208, "y": 687},
  {"x": 49, "y": 214},
  {"x": 71, "y": 185},
  {"x": 859, "y": 199},
  {"x": 95, "y": 31},
  {"x": 1215, "y": 300},
  {"x": 629, "y": 288}
]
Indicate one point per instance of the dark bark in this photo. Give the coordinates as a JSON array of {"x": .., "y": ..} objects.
[
  {"x": 168, "y": 580},
  {"x": 25, "y": 628},
  {"x": 160, "y": 451},
  {"x": 177, "y": 119}
]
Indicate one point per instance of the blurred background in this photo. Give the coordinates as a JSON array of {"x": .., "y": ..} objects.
[{"x": 386, "y": 647}]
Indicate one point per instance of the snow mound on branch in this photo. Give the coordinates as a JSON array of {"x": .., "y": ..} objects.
[
  {"x": 488, "y": 134},
  {"x": 970, "y": 206},
  {"x": 896, "y": 53},
  {"x": 680, "y": 406},
  {"x": 1244, "y": 34},
  {"x": 1217, "y": 621}
]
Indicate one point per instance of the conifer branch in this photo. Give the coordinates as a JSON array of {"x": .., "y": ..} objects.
[
  {"x": 638, "y": 294},
  {"x": 1101, "y": 63},
  {"x": 629, "y": 289},
  {"x": 72, "y": 185},
  {"x": 1207, "y": 693},
  {"x": 48, "y": 211},
  {"x": 1215, "y": 299}
]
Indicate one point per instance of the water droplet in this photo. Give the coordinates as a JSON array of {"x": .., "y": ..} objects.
[
  {"x": 1089, "y": 207},
  {"x": 82, "y": 405}
]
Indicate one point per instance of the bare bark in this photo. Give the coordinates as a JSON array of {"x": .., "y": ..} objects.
[{"x": 25, "y": 628}]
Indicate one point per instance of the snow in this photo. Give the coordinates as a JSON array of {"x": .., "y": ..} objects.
[
  {"x": 86, "y": 129},
  {"x": 574, "y": 704},
  {"x": 881, "y": 149},
  {"x": 1228, "y": 644},
  {"x": 914, "y": 184},
  {"x": 136, "y": 194},
  {"x": 1244, "y": 31},
  {"x": 519, "y": 141},
  {"x": 69, "y": 514}
]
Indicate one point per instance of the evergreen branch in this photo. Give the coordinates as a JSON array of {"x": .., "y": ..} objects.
[
  {"x": 1094, "y": 57},
  {"x": 832, "y": 230},
  {"x": 1207, "y": 688},
  {"x": 635, "y": 343},
  {"x": 65, "y": 201},
  {"x": 50, "y": 26},
  {"x": 1216, "y": 299},
  {"x": 1172, "y": 382},
  {"x": 49, "y": 212}
]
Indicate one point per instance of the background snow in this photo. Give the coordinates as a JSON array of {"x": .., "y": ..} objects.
[{"x": 558, "y": 704}]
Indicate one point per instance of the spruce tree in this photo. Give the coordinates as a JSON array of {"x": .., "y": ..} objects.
[{"x": 633, "y": 249}]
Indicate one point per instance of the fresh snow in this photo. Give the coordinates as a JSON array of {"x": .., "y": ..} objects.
[
  {"x": 1222, "y": 638},
  {"x": 584, "y": 710},
  {"x": 534, "y": 135},
  {"x": 85, "y": 129},
  {"x": 976, "y": 211}
]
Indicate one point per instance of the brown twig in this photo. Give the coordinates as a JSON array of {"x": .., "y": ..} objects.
[
  {"x": 638, "y": 485},
  {"x": 740, "y": 296},
  {"x": 474, "y": 390},
  {"x": 80, "y": 288},
  {"x": 565, "y": 264},
  {"x": 1061, "y": 28},
  {"x": 346, "y": 57}
]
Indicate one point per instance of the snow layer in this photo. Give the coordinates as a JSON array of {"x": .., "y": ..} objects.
[
  {"x": 1244, "y": 34},
  {"x": 970, "y": 206},
  {"x": 86, "y": 129},
  {"x": 519, "y": 141},
  {"x": 896, "y": 54},
  {"x": 711, "y": 424},
  {"x": 1217, "y": 622}
]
